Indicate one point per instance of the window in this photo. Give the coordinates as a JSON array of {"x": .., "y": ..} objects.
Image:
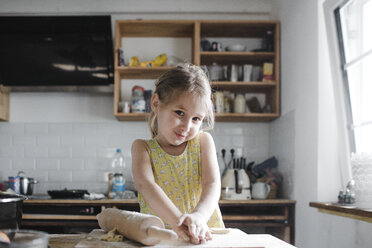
[
  {"x": 354, "y": 21},
  {"x": 349, "y": 31}
]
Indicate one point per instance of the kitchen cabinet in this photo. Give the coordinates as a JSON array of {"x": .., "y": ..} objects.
[
  {"x": 238, "y": 31},
  {"x": 274, "y": 216}
]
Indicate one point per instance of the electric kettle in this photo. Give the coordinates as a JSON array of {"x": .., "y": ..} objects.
[{"x": 235, "y": 185}]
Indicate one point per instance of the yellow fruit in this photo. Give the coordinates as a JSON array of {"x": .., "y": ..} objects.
[
  {"x": 146, "y": 64},
  {"x": 160, "y": 59},
  {"x": 134, "y": 61}
]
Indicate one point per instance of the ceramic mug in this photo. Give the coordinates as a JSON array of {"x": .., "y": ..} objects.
[{"x": 260, "y": 190}]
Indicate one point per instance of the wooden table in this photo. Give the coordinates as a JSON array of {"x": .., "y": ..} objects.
[{"x": 235, "y": 238}]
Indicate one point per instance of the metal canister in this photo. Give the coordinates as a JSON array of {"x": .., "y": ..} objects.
[{"x": 15, "y": 184}]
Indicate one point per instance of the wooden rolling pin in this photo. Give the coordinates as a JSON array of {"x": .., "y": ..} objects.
[{"x": 143, "y": 228}]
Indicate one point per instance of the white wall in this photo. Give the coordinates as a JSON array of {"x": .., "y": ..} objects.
[
  {"x": 300, "y": 96},
  {"x": 307, "y": 91}
]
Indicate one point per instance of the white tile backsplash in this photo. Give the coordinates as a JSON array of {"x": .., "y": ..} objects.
[
  {"x": 83, "y": 128},
  {"x": 84, "y": 176},
  {"x": 84, "y": 151},
  {"x": 71, "y": 164},
  {"x": 47, "y": 164},
  {"x": 11, "y": 151},
  {"x": 97, "y": 164},
  {"x": 36, "y": 128},
  {"x": 14, "y": 128},
  {"x": 5, "y": 164},
  {"x": 60, "y": 152},
  {"x": 72, "y": 140},
  {"x": 60, "y": 176},
  {"x": 6, "y": 140},
  {"x": 60, "y": 128},
  {"x": 24, "y": 139},
  {"x": 97, "y": 140},
  {"x": 23, "y": 164},
  {"x": 36, "y": 151},
  {"x": 48, "y": 140},
  {"x": 77, "y": 155}
]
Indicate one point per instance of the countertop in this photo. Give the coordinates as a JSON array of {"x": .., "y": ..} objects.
[
  {"x": 235, "y": 238},
  {"x": 135, "y": 201}
]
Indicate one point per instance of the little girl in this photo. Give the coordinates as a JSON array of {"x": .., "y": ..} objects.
[{"x": 176, "y": 172}]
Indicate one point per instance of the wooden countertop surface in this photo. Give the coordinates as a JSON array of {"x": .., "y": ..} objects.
[
  {"x": 135, "y": 201},
  {"x": 235, "y": 238}
]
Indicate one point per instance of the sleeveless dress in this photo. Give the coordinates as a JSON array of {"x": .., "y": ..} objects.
[{"x": 180, "y": 178}]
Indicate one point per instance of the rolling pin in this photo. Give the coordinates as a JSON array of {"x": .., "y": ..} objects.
[{"x": 143, "y": 228}]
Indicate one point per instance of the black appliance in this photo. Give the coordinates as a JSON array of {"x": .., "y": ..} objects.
[
  {"x": 67, "y": 193},
  {"x": 56, "y": 51},
  {"x": 10, "y": 210}
]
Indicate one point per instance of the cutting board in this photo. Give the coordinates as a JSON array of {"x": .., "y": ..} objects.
[{"x": 235, "y": 238}]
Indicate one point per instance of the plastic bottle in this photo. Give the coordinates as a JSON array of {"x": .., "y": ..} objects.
[{"x": 118, "y": 181}]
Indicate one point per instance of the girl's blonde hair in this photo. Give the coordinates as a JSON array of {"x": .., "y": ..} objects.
[{"x": 183, "y": 78}]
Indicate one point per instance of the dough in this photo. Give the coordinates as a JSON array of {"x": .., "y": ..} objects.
[
  {"x": 112, "y": 236},
  {"x": 215, "y": 230}
]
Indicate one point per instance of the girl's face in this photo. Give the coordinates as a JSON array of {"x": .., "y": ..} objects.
[{"x": 179, "y": 120}]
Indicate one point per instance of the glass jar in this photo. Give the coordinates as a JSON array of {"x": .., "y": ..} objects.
[
  {"x": 239, "y": 103},
  {"x": 219, "y": 102},
  {"x": 138, "y": 100}
]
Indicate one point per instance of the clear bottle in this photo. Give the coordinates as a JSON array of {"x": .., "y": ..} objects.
[{"x": 117, "y": 188}]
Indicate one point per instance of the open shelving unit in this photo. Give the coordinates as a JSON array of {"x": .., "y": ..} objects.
[{"x": 196, "y": 30}]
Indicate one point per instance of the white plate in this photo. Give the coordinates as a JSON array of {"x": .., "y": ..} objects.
[{"x": 235, "y": 48}]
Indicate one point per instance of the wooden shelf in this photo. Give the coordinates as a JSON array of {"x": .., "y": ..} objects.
[
  {"x": 254, "y": 117},
  {"x": 206, "y": 29},
  {"x": 155, "y": 28},
  {"x": 207, "y": 58},
  {"x": 225, "y": 117},
  {"x": 233, "y": 28},
  {"x": 141, "y": 72},
  {"x": 349, "y": 211},
  {"x": 243, "y": 86},
  {"x": 132, "y": 116}
]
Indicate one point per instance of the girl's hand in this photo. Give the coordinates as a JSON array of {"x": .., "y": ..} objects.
[
  {"x": 197, "y": 227},
  {"x": 182, "y": 232}
]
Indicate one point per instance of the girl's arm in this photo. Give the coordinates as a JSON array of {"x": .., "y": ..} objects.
[
  {"x": 152, "y": 193},
  {"x": 211, "y": 182},
  {"x": 196, "y": 222}
]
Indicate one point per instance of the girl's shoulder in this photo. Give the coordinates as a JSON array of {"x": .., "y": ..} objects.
[
  {"x": 206, "y": 139},
  {"x": 139, "y": 145},
  {"x": 203, "y": 136}
]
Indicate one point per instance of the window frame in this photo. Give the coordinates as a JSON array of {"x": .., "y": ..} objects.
[{"x": 341, "y": 91}]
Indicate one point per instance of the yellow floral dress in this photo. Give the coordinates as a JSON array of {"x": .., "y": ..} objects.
[{"x": 180, "y": 178}]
